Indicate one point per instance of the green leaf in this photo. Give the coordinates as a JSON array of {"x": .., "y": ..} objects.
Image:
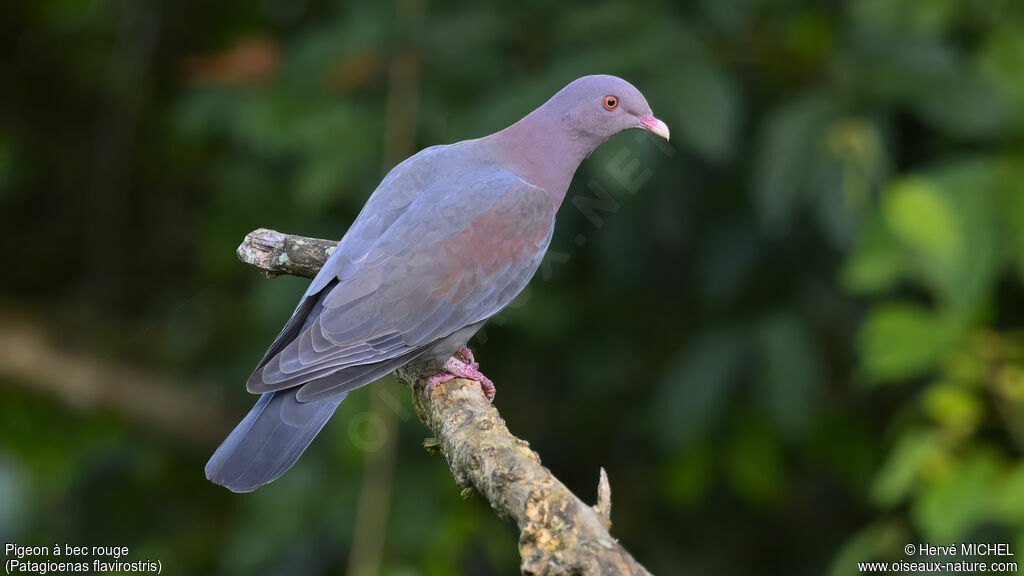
[
  {"x": 924, "y": 18},
  {"x": 940, "y": 229},
  {"x": 790, "y": 373},
  {"x": 903, "y": 466},
  {"x": 1009, "y": 499},
  {"x": 706, "y": 109},
  {"x": 958, "y": 501},
  {"x": 955, "y": 407},
  {"x": 922, "y": 217},
  {"x": 696, "y": 385},
  {"x": 809, "y": 156},
  {"x": 1011, "y": 210},
  {"x": 877, "y": 262},
  {"x": 1000, "y": 62},
  {"x": 690, "y": 474},
  {"x": 755, "y": 463},
  {"x": 788, "y": 156},
  {"x": 966, "y": 281},
  {"x": 932, "y": 79},
  {"x": 884, "y": 539},
  {"x": 899, "y": 341},
  {"x": 1009, "y": 502},
  {"x": 850, "y": 178}
]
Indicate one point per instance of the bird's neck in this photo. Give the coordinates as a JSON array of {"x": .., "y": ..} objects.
[{"x": 542, "y": 151}]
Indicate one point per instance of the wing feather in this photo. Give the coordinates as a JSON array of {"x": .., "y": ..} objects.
[{"x": 451, "y": 259}]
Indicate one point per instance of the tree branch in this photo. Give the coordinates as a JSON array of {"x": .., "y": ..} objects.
[
  {"x": 558, "y": 532},
  {"x": 275, "y": 253},
  {"x": 32, "y": 360}
]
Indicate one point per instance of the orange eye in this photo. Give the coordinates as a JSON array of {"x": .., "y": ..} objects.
[{"x": 611, "y": 102}]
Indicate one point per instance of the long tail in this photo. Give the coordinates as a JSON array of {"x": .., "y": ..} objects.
[{"x": 269, "y": 440}]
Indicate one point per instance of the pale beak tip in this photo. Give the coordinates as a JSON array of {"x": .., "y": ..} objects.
[{"x": 650, "y": 123}]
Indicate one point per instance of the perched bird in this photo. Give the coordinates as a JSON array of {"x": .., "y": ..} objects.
[{"x": 446, "y": 241}]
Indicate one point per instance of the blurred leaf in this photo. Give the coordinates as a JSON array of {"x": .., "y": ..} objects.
[
  {"x": 706, "y": 109},
  {"x": 960, "y": 500},
  {"x": 924, "y": 18},
  {"x": 732, "y": 252},
  {"x": 844, "y": 443},
  {"x": 899, "y": 341},
  {"x": 857, "y": 163},
  {"x": 1011, "y": 210},
  {"x": 326, "y": 172},
  {"x": 755, "y": 462},
  {"x": 808, "y": 155},
  {"x": 811, "y": 36},
  {"x": 899, "y": 473},
  {"x": 954, "y": 407},
  {"x": 964, "y": 105},
  {"x": 970, "y": 187},
  {"x": 923, "y": 218},
  {"x": 940, "y": 230},
  {"x": 1000, "y": 61},
  {"x": 877, "y": 262},
  {"x": 790, "y": 373},
  {"x": 15, "y": 498},
  {"x": 696, "y": 384},
  {"x": 788, "y": 154},
  {"x": 881, "y": 540},
  {"x": 933, "y": 80},
  {"x": 690, "y": 475},
  {"x": 1009, "y": 499}
]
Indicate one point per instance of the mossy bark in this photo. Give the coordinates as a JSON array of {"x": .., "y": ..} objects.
[{"x": 558, "y": 532}]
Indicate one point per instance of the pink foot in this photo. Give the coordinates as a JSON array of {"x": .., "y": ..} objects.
[{"x": 455, "y": 368}]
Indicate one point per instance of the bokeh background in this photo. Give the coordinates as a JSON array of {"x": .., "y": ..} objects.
[{"x": 792, "y": 336}]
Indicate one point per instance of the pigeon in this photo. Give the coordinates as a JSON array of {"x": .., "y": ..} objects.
[{"x": 447, "y": 240}]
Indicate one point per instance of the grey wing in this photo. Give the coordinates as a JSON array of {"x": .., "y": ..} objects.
[
  {"x": 387, "y": 203},
  {"x": 449, "y": 261}
]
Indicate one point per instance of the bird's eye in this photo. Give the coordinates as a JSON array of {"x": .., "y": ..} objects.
[{"x": 611, "y": 102}]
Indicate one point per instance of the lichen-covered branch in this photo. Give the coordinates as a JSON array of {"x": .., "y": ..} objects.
[
  {"x": 559, "y": 534},
  {"x": 276, "y": 253}
]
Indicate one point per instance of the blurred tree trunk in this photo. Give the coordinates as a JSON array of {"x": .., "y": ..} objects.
[
  {"x": 374, "y": 505},
  {"x": 30, "y": 358}
]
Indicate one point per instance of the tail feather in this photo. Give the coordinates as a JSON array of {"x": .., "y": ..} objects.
[{"x": 269, "y": 440}]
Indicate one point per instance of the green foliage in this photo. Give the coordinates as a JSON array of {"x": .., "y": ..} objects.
[{"x": 899, "y": 341}]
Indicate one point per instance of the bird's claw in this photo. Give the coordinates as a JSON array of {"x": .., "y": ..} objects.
[
  {"x": 467, "y": 356},
  {"x": 456, "y": 368}
]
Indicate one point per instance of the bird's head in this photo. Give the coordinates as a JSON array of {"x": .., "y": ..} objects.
[{"x": 595, "y": 108}]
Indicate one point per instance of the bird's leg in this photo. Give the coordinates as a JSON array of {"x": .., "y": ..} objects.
[{"x": 455, "y": 368}]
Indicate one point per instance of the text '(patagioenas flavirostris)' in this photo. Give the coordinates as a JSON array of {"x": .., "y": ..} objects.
[{"x": 446, "y": 241}]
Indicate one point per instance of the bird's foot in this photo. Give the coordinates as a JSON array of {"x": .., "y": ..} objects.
[
  {"x": 467, "y": 356},
  {"x": 455, "y": 368}
]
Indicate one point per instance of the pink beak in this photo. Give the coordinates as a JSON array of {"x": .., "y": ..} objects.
[{"x": 649, "y": 122}]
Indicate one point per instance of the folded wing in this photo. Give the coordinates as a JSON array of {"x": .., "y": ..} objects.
[{"x": 458, "y": 253}]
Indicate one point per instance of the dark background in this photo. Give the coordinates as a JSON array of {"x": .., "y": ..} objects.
[{"x": 792, "y": 336}]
